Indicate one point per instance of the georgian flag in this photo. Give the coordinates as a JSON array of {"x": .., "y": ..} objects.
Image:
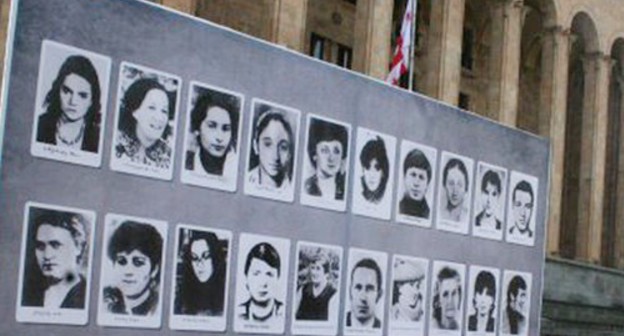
[{"x": 400, "y": 61}]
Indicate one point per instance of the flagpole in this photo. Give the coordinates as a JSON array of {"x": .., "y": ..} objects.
[{"x": 413, "y": 37}]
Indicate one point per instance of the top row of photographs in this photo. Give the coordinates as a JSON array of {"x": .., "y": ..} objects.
[{"x": 70, "y": 116}]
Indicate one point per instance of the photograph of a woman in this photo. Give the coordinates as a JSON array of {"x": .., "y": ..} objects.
[
  {"x": 455, "y": 193},
  {"x": 325, "y": 175},
  {"x": 144, "y": 138},
  {"x": 448, "y": 295},
  {"x": 261, "y": 284},
  {"x": 212, "y": 137},
  {"x": 200, "y": 273},
  {"x": 55, "y": 270},
  {"x": 374, "y": 174},
  {"x": 272, "y": 160},
  {"x": 482, "y": 305},
  {"x": 71, "y": 104},
  {"x": 131, "y": 275},
  {"x": 489, "y": 203},
  {"x": 316, "y": 289},
  {"x": 416, "y": 184}
]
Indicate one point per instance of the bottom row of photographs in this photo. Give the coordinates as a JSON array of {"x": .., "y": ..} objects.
[{"x": 57, "y": 257}]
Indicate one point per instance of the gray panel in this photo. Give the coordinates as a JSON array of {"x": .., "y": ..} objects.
[{"x": 193, "y": 50}]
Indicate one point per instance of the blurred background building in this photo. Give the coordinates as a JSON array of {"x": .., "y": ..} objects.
[{"x": 554, "y": 68}]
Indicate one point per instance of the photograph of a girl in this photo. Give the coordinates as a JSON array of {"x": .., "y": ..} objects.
[
  {"x": 72, "y": 94},
  {"x": 131, "y": 276},
  {"x": 373, "y": 175},
  {"x": 271, "y": 164},
  {"x": 261, "y": 284},
  {"x": 145, "y": 134},
  {"x": 482, "y": 309},
  {"x": 212, "y": 138},
  {"x": 200, "y": 275},
  {"x": 455, "y": 193},
  {"x": 324, "y": 182}
]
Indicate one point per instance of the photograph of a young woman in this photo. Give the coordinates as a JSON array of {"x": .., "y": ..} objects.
[
  {"x": 482, "y": 308},
  {"x": 131, "y": 276},
  {"x": 414, "y": 202},
  {"x": 71, "y": 104},
  {"x": 489, "y": 203},
  {"x": 373, "y": 174},
  {"x": 201, "y": 274},
  {"x": 325, "y": 175},
  {"x": 55, "y": 270},
  {"x": 212, "y": 137},
  {"x": 272, "y": 160},
  {"x": 455, "y": 193},
  {"x": 261, "y": 284},
  {"x": 144, "y": 139}
]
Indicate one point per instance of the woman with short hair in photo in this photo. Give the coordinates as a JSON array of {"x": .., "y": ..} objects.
[
  {"x": 72, "y": 107},
  {"x": 455, "y": 182},
  {"x": 56, "y": 276},
  {"x": 146, "y": 109},
  {"x": 262, "y": 272},
  {"x": 272, "y": 153},
  {"x": 135, "y": 251},
  {"x": 201, "y": 284},
  {"x": 214, "y": 126},
  {"x": 315, "y": 293},
  {"x": 375, "y": 170},
  {"x": 327, "y": 151}
]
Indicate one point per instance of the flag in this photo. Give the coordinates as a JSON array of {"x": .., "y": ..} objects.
[{"x": 401, "y": 58}]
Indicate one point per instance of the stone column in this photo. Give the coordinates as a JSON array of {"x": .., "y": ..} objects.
[
  {"x": 185, "y": 6},
  {"x": 505, "y": 60},
  {"x": 289, "y": 24},
  {"x": 593, "y": 155},
  {"x": 618, "y": 238},
  {"x": 553, "y": 101},
  {"x": 373, "y": 29},
  {"x": 444, "y": 47}
]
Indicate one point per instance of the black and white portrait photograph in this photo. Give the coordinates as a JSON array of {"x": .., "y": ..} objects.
[
  {"x": 325, "y": 182},
  {"x": 515, "y": 303},
  {"x": 482, "y": 302},
  {"x": 145, "y": 123},
  {"x": 316, "y": 290},
  {"x": 200, "y": 276},
  {"x": 373, "y": 174},
  {"x": 365, "y": 297},
  {"x": 409, "y": 296},
  {"x": 261, "y": 284},
  {"x": 131, "y": 278},
  {"x": 416, "y": 183},
  {"x": 521, "y": 209},
  {"x": 71, "y": 104},
  {"x": 212, "y": 137},
  {"x": 55, "y": 269},
  {"x": 272, "y": 152},
  {"x": 488, "y": 212},
  {"x": 447, "y": 299},
  {"x": 455, "y": 191}
]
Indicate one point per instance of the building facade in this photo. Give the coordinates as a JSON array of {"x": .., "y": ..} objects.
[{"x": 554, "y": 68}]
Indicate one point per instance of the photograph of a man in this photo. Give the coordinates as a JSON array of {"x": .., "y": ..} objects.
[
  {"x": 521, "y": 219},
  {"x": 515, "y": 311},
  {"x": 56, "y": 261},
  {"x": 487, "y": 222},
  {"x": 365, "y": 293},
  {"x": 448, "y": 293},
  {"x": 407, "y": 291}
]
